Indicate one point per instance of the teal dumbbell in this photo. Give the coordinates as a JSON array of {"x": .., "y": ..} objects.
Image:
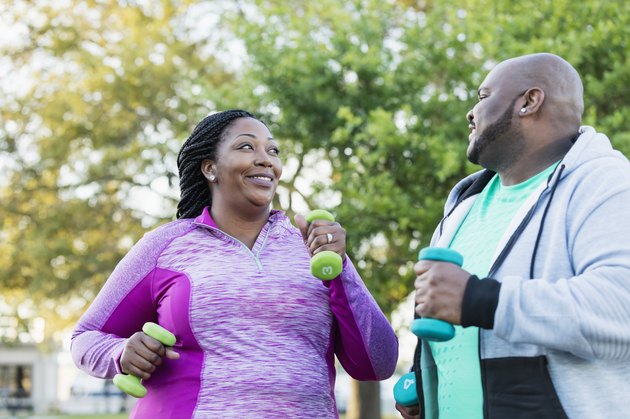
[
  {"x": 433, "y": 329},
  {"x": 131, "y": 384},
  {"x": 405, "y": 390},
  {"x": 327, "y": 264}
]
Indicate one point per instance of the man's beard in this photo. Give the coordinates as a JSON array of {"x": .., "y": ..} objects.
[{"x": 488, "y": 138}]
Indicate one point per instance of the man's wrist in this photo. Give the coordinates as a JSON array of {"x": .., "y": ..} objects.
[{"x": 481, "y": 298}]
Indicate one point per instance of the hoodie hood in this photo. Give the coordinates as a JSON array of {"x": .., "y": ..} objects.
[{"x": 588, "y": 148}]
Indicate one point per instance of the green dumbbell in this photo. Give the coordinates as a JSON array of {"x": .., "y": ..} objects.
[
  {"x": 327, "y": 264},
  {"x": 433, "y": 329},
  {"x": 131, "y": 384}
]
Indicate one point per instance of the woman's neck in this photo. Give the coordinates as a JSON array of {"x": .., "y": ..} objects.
[{"x": 244, "y": 228}]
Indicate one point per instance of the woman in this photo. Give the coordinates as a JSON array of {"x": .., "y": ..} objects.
[{"x": 256, "y": 332}]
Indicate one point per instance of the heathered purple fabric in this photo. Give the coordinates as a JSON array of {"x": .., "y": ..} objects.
[{"x": 256, "y": 332}]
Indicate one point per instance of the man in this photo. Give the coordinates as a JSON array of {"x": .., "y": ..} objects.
[{"x": 544, "y": 292}]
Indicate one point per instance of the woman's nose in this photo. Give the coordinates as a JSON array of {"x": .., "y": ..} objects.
[{"x": 262, "y": 159}]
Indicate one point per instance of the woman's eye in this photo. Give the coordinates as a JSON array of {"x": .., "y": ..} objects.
[
  {"x": 246, "y": 146},
  {"x": 482, "y": 97},
  {"x": 274, "y": 150}
]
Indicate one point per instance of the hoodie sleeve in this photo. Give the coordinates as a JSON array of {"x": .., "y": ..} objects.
[
  {"x": 365, "y": 342},
  {"x": 581, "y": 301}
]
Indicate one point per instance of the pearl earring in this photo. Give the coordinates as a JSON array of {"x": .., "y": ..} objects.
[
  {"x": 212, "y": 178},
  {"x": 523, "y": 110}
]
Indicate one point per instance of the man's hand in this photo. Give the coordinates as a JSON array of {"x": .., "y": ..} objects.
[
  {"x": 409, "y": 412},
  {"x": 440, "y": 290}
]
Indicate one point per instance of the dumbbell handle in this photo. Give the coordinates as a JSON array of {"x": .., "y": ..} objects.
[
  {"x": 433, "y": 329},
  {"x": 325, "y": 265},
  {"x": 130, "y": 384}
]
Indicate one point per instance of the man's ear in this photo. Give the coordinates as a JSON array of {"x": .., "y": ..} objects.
[
  {"x": 534, "y": 98},
  {"x": 208, "y": 168}
]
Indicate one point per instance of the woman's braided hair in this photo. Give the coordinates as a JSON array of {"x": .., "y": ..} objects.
[{"x": 201, "y": 145}]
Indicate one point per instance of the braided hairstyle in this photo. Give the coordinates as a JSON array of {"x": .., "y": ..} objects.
[{"x": 202, "y": 144}]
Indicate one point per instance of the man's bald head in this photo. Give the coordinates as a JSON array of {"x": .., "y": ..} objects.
[
  {"x": 558, "y": 79},
  {"x": 529, "y": 111}
]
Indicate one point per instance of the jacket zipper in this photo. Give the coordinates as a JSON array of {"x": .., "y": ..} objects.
[
  {"x": 247, "y": 249},
  {"x": 482, "y": 369}
]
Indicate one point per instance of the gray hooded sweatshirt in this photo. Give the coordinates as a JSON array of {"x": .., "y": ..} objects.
[{"x": 554, "y": 313}]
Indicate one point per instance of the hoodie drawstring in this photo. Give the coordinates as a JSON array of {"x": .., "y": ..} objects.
[{"x": 542, "y": 222}]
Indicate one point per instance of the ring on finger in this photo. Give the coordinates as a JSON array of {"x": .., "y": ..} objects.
[{"x": 329, "y": 237}]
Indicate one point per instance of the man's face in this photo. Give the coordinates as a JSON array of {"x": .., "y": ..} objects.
[
  {"x": 496, "y": 138},
  {"x": 481, "y": 143}
]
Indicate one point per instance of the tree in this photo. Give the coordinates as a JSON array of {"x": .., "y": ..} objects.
[{"x": 96, "y": 99}]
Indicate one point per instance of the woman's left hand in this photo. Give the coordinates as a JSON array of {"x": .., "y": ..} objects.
[{"x": 320, "y": 235}]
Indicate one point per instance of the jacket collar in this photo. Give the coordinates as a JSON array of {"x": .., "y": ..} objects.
[{"x": 206, "y": 219}]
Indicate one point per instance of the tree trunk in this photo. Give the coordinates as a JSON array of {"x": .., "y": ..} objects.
[{"x": 365, "y": 400}]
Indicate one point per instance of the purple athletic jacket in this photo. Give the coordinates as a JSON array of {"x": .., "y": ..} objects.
[{"x": 256, "y": 332}]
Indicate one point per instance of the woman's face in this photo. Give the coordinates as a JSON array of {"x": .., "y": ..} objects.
[{"x": 247, "y": 166}]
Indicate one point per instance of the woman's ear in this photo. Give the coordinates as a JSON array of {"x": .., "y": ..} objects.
[{"x": 208, "y": 168}]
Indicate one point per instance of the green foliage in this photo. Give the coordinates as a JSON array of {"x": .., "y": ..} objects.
[
  {"x": 97, "y": 99},
  {"x": 383, "y": 88}
]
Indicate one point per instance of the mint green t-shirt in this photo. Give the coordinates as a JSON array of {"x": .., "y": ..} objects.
[{"x": 459, "y": 378}]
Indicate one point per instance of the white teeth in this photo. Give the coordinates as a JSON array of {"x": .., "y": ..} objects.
[{"x": 262, "y": 177}]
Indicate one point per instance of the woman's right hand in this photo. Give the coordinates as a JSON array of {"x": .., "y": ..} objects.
[
  {"x": 320, "y": 235},
  {"x": 143, "y": 354},
  {"x": 409, "y": 412}
]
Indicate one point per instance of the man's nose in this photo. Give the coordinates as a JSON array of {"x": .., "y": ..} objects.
[{"x": 470, "y": 116}]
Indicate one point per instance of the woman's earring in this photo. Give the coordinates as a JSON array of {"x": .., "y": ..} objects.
[
  {"x": 523, "y": 110},
  {"x": 212, "y": 178}
]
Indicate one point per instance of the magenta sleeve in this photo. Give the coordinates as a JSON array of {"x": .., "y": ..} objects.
[
  {"x": 365, "y": 342},
  {"x": 120, "y": 309}
]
